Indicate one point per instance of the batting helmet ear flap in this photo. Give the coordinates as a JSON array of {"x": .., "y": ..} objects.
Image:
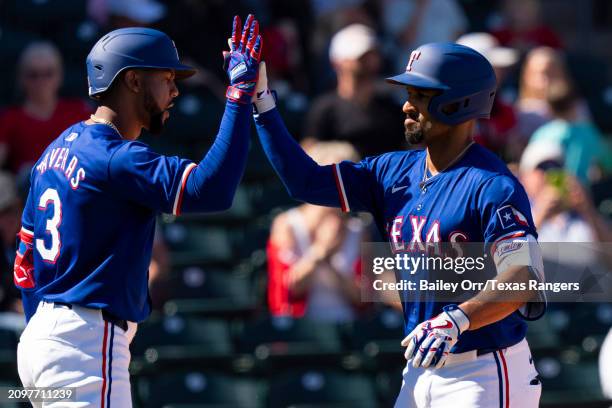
[
  {"x": 458, "y": 105},
  {"x": 466, "y": 81}
]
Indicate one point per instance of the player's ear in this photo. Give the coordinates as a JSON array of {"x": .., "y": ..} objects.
[{"x": 132, "y": 80}]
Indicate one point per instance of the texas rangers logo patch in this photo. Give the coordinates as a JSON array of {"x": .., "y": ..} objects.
[{"x": 511, "y": 217}]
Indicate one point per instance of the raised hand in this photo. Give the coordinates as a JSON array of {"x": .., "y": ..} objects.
[{"x": 241, "y": 62}]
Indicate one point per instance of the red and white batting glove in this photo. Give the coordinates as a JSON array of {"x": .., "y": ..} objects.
[
  {"x": 241, "y": 62},
  {"x": 431, "y": 341}
]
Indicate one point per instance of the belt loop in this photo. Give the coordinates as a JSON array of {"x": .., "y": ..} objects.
[{"x": 109, "y": 317}]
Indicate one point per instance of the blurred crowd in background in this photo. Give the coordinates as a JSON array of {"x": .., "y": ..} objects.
[{"x": 267, "y": 259}]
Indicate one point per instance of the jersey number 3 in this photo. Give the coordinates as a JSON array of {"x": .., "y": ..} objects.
[{"x": 51, "y": 254}]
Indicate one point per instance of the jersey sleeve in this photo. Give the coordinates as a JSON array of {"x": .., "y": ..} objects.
[
  {"x": 504, "y": 209},
  {"x": 358, "y": 185},
  {"x": 148, "y": 178},
  {"x": 27, "y": 218}
]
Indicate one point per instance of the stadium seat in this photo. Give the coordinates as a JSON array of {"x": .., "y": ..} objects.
[
  {"x": 8, "y": 354},
  {"x": 592, "y": 318},
  {"x": 200, "y": 389},
  {"x": 389, "y": 382},
  {"x": 202, "y": 282},
  {"x": 250, "y": 238},
  {"x": 321, "y": 388},
  {"x": 212, "y": 292},
  {"x": 377, "y": 337},
  {"x": 258, "y": 167},
  {"x": 241, "y": 212},
  {"x": 569, "y": 382},
  {"x": 283, "y": 333},
  {"x": 384, "y": 327},
  {"x": 192, "y": 243},
  {"x": 179, "y": 340},
  {"x": 6, "y": 403},
  {"x": 279, "y": 343},
  {"x": 543, "y": 334},
  {"x": 269, "y": 196}
]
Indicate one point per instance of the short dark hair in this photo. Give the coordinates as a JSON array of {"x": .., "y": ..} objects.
[{"x": 561, "y": 98}]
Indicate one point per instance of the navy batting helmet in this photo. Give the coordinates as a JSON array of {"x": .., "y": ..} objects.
[
  {"x": 464, "y": 77},
  {"x": 133, "y": 47}
]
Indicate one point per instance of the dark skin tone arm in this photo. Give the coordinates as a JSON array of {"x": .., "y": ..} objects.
[{"x": 492, "y": 305}]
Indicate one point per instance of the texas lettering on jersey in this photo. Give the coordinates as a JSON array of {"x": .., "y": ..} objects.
[
  {"x": 397, "y": 229},
  {"x": 475, "y": 200}
]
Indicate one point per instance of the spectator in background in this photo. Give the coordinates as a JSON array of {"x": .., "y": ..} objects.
[
  {"x": 313, "y": 255},
  {"x": 582, "y": 144},
  {"x": 356, "y": 112},
  {"x": 134, "y": 13},
  {"x": 562, "y": 209},
  {"x": 113, "y": 14},
  {"x": 26, "y": 130},
  {"x": 543, "y": 67},
  {"x": 522, "y": 28},
  {"x": 10, "y": 222},
  {"x": 328, "y": 20},
  {"x": 496, "y": 132},
  {"x": 411, "y": 23}
]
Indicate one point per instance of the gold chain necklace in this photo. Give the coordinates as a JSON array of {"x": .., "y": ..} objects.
[{"x": 104, "y": 122}]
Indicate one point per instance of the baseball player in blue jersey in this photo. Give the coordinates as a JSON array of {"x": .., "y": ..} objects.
[
  {"x": 88, "y": 224},
  {"x": 469, "y": 355}
]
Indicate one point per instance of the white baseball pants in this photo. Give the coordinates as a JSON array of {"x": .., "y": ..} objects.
[
  {"x": 63, "y": 347},
  {"x": 505, "y": 378}
]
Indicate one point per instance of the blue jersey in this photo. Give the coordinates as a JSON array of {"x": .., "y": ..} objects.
[
  {"x": 91, "y": 209},
  {"x": 477, "y": 200}
]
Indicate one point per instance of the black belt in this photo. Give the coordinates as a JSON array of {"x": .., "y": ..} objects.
[
  {"x": 107, "y": 316},
  {"x": 480, "y": 352}
]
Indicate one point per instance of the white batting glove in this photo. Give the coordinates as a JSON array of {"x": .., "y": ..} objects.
[
  {"x": 263, "y": 99},
  {"x": 431, "y": 341}
]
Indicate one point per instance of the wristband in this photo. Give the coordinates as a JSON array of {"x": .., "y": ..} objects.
[
  {"x": 458, "y": 316},
  {"x": 264, "y": 101},
  {"x": 238, "y": 95}
]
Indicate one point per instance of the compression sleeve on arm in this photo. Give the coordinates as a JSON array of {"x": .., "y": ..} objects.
[
  {"x": 210, "y": 186},
  {"x": 303, "y": 178}
]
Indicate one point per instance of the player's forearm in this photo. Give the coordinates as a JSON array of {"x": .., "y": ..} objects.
[
  {"x": 303, "y": 178},
  {"x": 212, "y": 184},
  {"x": 492, "y": 305}
]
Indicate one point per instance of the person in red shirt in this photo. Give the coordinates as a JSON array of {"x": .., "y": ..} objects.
[
  {"x": 26, "y": 130},
  {"x": 523, "y": 28},
  {"x": 313, "y": 255}
]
